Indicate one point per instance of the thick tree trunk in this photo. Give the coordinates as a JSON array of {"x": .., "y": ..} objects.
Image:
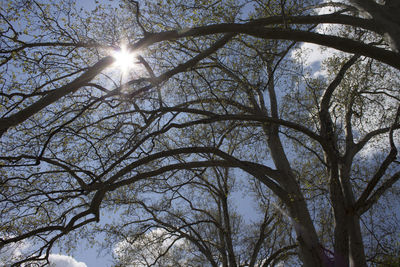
[
  {"x": 310, "y": 250},
  {"x": 349, "y": 247},
  {"x": 357, "y": 254},
  {"x": 341, "y": 234}
]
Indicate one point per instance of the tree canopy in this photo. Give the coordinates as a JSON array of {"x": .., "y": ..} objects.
[{"x": 164, "y": 112}]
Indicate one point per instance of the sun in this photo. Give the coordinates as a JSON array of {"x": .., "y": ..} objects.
[{"x": 124, "y": 59}]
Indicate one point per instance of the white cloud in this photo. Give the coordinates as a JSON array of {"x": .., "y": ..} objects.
[
  {"x": 14, "y": 252},
  {"x": 312, "y": 55},
  {"x": 57, "y": 260}
]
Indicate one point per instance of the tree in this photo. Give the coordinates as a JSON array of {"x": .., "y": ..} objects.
[
  {"x": 192, "y": 222},
  {"x": 222, "y": 67}
]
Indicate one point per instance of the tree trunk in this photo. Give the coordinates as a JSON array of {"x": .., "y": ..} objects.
[
  {"x": 310, "y": 250},
  {"x": 341, "y": 231},
  {"x": 357, "y": 254}
]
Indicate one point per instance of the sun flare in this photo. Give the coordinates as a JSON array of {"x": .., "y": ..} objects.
[{"x": 124, "y": 59}]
